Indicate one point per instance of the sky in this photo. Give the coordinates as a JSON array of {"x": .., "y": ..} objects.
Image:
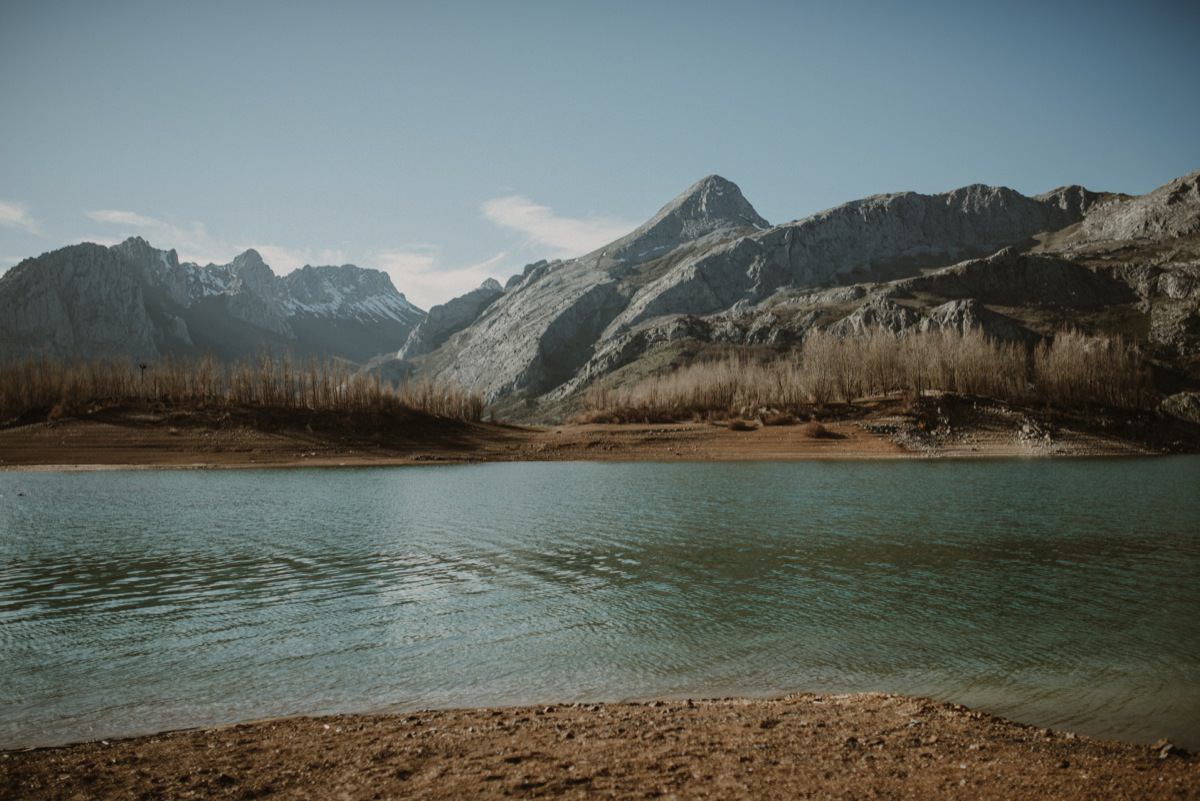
[{"x": 449, "y": 142}]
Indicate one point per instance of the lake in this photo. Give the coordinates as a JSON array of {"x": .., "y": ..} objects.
[{"x": 1061, "y": 593}]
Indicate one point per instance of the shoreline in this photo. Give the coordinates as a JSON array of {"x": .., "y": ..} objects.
[
  {"x": 402, "y": 462},
  {"x": 800, "y": 744},
  {"x": 136, "y": 439}
]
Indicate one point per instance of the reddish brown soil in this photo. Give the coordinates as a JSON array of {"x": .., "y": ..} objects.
[
  {"x": 805, "y": 746},
  {"x": 242, "y": 438}
]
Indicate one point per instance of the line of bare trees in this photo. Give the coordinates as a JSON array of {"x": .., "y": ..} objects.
[
  {"x": 1070, "y": 371},
  {"x": 39, "y": 384}
]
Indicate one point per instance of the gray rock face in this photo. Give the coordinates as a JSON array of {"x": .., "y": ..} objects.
[
  {"x": 82, "y": 300},
  {"x": 879, "y": 312},
  {"x": 706, "y": 254},
  {"x": 135, "y": 301},
  {"x": 878, "y": 237},
  {"x": 710, "y": 205},
  {"x": 547, "y": 324},
  {"x": 1183, "y": 405},
  {"x": 1172, "y": 210},
  {"x": 1175, "y": 326},
  {"x": 1012, "y": 278},
  {"x": 449, "y": 318},
  {"x": 969, "y": 314}
]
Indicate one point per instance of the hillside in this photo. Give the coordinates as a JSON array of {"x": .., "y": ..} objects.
[
  {"x": 138, "y": 302},
  {"x": 708, "y": 272}
]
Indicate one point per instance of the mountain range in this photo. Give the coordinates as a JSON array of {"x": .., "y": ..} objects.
[
  {"x": 706, "y": 272},
  {"x": 134, "y": 301}
]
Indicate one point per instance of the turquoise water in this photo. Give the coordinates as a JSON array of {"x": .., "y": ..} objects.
[{"x": 1062, "y": 593}]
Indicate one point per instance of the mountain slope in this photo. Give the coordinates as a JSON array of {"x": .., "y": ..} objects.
[
  {"x": 135, "y": 301},
  {"x": 544, "y": 327},
  {"x": 707, "y": 252}
]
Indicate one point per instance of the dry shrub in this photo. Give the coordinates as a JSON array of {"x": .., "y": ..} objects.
[
  {"x": 814, "y": 430},
  {"x": 1078, "y": 370},
  {"x": 780, "y": 419},
  {"x": 35, "y": 385},
  {"x": 1072, "y": 370},
  {"x": 738, "y": 424},
  {"x": 594, "y": 416}
]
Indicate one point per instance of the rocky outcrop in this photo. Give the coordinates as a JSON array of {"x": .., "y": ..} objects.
[
  {"x": 708, "y": 256},
  {"x": 447, "y": 319},
  {"x": 881, "y": 312},
  {"x": 1011, "y": 278},
  {"x": 878, "y": 312},
  {"x": 871, "y": 239},
  {"x": 1175, "y": 326},
  {"x": 549, "y": 321},
  {"x": 135, "y": 301},
  {"x": 1172, "y": 281},
  {"x": 1172, "y": 210},
  {"x": 969, "y": 314},
  {"x": 711, "y": 205},
  {"x": 84, "y": 300},
  {"x": 1184, "y": 406}
]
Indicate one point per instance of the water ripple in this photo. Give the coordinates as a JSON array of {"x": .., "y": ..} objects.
[{"x": 1058, "y": 593}]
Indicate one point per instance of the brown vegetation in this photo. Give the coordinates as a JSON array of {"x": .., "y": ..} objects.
[
  {"x": 816, "y": 430},
  {"x": 41, "y": 386},
  {"x": 1072, "y": 371}
]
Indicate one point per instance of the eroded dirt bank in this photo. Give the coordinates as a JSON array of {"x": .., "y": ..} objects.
[
  {"x": 803, "y": 746},
  {"x": 129, "y": 437}
]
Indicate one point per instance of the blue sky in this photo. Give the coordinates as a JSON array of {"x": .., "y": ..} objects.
[{"x": 446, "y": 142}]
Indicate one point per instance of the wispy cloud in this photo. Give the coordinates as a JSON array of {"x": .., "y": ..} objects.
[
  {"x": 129, "y": 218},
  {"x": 417, "y": 273},
  {"x": 541, "y": 227},
  {"x": 16, "y": 215}
]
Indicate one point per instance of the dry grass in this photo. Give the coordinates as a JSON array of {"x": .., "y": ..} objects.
[
  {"x": 1072, "y": 371},
  {"x": 58, "y": 389},
  {"x": 738, "y": 424},
  {"x": 814, "y": 430}
]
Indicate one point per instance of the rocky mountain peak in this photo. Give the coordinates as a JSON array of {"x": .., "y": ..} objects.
[
  {"x": 710, "y": 205},
  {"x": 491, "y": 284},
  {"x": 347, "y": 280},
  {"x": 1171, "y": 210},
  {"x": 142, "y": 253},
  {"x": 251, "y": 272},
  {"x": 714, "y": 201},
  {"x": 248, "y": 260}
]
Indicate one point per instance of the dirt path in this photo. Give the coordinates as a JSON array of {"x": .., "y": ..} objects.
[{"x": 853, "y": 746}]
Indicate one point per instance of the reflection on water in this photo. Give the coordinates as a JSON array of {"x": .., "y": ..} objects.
[{"x": 1061, "y": 594}]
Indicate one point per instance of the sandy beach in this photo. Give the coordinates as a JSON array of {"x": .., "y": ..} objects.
[{"x": 800, "y": 746}]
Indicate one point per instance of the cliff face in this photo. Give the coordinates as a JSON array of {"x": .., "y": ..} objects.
[
  {"x": 550, "y": 318},
  {"x": 83, "y": 300},
  {"x": 708, "y": 253},
  {"x": 135, "y": 301},
  {"x": 447, "y": 319},
  {"x": 1168, "y": 212}
]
